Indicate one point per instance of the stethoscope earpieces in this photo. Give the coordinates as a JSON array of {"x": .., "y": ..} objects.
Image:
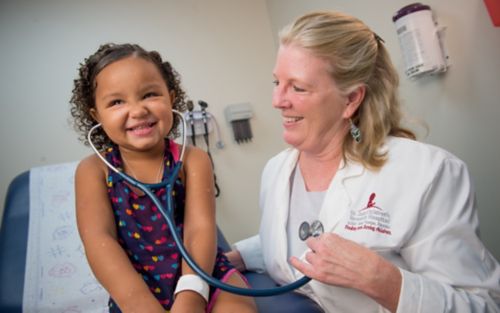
[{"x": 307, "y": 230}]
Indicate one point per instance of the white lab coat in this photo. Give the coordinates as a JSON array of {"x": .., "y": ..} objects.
[{"x": 418, "y": 212}]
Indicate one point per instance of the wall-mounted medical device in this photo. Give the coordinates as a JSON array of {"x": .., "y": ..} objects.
[
  {"x": 238, "y": 115},
  {"x": 420, "y": 38},
  {"x": 200, "y": 122}
]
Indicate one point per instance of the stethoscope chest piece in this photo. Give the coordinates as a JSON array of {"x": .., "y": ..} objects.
[
  {"x": 304, "y": 231},
  {"x": 307, "y": 230}
]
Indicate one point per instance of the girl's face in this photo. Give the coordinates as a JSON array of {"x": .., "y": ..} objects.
[
  {"x": 312, "y": 106},
  {"x": 133, "y": 104}
]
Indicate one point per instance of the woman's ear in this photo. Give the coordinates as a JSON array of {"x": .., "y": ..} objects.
[{"x": 354, "y": 99}]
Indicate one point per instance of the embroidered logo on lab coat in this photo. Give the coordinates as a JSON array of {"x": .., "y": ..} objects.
[{"x": 370, "y": 218}]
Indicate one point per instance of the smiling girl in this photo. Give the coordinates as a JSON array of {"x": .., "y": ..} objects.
[{"x": 132, "y": 93}]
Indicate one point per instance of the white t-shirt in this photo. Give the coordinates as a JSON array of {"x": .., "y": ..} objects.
[{"x": 304, "y": 207}]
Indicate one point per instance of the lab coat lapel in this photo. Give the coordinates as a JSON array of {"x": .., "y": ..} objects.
[
  {"x": 281, "y": 200},
  {"x": 337, "y": 199}
]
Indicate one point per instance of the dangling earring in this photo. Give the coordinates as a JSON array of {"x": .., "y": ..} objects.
[{"x": 355, "y": 132}]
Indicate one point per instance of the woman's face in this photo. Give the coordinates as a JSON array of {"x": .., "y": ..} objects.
[
  {"x": 312, "y": 107},
  {"x": 133, "y": 104}
]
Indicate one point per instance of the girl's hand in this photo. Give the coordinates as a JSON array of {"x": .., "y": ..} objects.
[
  {"x": 188, "y": 301},
  {"x": 336, "y": 261},
  {"x": 236, "y": 260}
]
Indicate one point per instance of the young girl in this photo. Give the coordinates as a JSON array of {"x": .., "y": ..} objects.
[{"x": 132, "y": 92}]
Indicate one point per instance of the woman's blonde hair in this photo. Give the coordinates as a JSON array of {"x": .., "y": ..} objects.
[{"x": 357, "y": 57}]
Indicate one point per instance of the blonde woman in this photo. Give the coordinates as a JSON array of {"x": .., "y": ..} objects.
[{"x": 393, "y": 222}]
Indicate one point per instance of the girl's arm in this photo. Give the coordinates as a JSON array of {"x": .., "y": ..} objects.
[
  {"x": 97, "y": 229},
  {"x": 199, "y": 222}
]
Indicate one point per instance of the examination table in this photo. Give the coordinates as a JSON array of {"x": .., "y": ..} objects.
[{"x": 13, "y": 251}]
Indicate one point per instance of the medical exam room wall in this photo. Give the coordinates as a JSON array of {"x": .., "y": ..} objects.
[
  {"x": 461, "y": 107},
  {"x": 223, "y": 49}
]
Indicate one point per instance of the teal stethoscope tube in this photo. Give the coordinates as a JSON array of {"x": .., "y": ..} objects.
[{"x": 168, "y": 215}]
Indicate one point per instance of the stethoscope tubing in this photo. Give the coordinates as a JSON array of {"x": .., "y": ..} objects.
[{"x": 168, "y": 215}]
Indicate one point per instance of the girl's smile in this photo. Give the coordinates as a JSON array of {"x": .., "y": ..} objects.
[{"x": 141, "y": 129}]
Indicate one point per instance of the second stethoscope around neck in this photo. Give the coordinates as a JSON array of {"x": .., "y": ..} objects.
[{"x": 168, "y": 215}]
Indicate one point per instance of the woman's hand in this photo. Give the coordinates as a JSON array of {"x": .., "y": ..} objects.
[
  {"x": 236, "y": 260},
  {"x": 336, "y": 261}
]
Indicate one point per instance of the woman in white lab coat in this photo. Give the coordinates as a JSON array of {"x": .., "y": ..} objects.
[{"x": 397, "y": 223}]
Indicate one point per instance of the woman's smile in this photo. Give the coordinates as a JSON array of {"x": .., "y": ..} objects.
[{"x": 291, "y": 120}]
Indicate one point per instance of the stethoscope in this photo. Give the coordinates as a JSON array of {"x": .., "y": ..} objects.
[
  {"x": 168, "y": 215},
  {"x": 307, "y": 230}
]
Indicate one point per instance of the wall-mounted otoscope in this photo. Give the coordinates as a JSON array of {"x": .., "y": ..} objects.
[
  {"x": 203, "y": 106},
  {"x": 190, "y": 108}
]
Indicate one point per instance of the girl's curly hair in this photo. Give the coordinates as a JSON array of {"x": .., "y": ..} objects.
[{"x": 83, "y": 95}]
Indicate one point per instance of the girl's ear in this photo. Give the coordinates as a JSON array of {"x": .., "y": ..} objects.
[
  {"x": 93, "y": 113},
  {"x": 172, "y": 96},
  {"x": 354, "y": 99}
]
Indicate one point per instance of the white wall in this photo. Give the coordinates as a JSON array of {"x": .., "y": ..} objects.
[
  {"x": 462, "y": 107},
  {"x": 223, "y": 49}
]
